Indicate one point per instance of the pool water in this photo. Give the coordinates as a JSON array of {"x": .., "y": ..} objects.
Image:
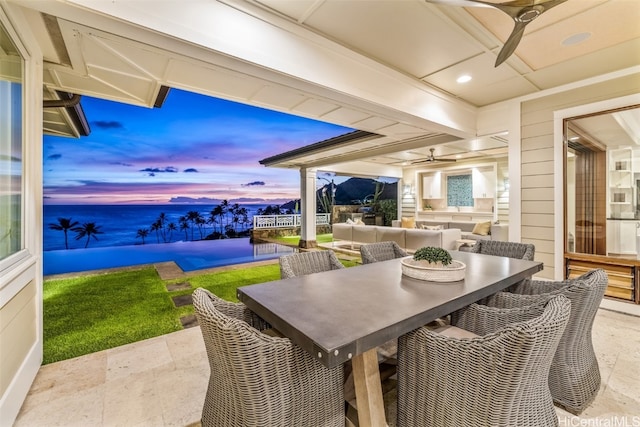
[{"x": 189, "y": 256}]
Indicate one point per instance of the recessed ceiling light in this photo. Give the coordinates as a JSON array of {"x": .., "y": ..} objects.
[
  {"x": 576, "y": 38},
  {"x": 463, "y": 79}
]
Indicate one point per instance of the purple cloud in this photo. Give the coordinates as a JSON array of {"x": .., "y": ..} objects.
[
  {"x": 168, "y": 169},
  {"x": 254, "y": 183},
  {"x": 104, "y": 124},
  {"x": 188, "y": 170}
]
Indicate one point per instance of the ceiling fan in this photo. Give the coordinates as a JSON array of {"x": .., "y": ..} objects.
[
  {"x": 521, "y": 11},
  {"x": 432, "y": 159}
]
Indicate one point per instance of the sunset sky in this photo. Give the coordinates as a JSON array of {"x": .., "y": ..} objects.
[{"x": 193, "y": 148}]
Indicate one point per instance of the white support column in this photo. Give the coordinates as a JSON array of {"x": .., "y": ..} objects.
[{"x": 308, "y": 205}]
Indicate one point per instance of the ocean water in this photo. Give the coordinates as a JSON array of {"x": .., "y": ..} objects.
[{"x": 120, "y": 223}]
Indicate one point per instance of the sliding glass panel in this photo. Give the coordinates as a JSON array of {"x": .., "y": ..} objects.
[
  {"x": 602, "y": 182},
  {"x": 11, "y": 66}
]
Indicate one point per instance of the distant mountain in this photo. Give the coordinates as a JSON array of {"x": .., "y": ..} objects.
[
  {"x": 290, "y": 205},
  {"x": 360, "y": 188},
  {"x": 352, "y": 192}
]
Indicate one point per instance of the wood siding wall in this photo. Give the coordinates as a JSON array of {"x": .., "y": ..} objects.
[
  {"x": 503, "y": 192},
  {"x": 537, "y": 164}
]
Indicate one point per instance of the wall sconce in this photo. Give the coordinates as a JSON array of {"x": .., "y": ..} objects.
[
  {"x": 506, "y": 184},
  {"x": 407, "y": 189}
]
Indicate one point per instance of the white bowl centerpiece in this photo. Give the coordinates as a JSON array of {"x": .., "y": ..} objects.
[{"x": 433, "y": 264}]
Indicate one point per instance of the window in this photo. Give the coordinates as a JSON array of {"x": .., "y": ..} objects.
[{"x": 11, "y": 66}]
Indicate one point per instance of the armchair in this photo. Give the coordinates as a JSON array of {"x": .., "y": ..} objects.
[
  {"x": 574, "y": 377},
  {"x": 260, "y": 380},
  {"x": 382, "y": 251},
  {"x": 308, "y": 262},
  {"x": 524, "y": 251},
  {"x": 496, "y": 379}
]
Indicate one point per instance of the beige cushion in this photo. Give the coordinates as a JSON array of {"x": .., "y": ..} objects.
[
  {"x": 358, "y": 221},
  {"x": 482, "y": 228},
  {"x": 454, "y": 332},
  {"x": 431, "y": 227},
  {"x": 364, "y": 233},
  {"x": 391, "y": 234},
  {"x": 342, "y": 231},
  {"x": 416, "y": 239},
  {"x": 408, "y": 222},
  {"x": 272, "y": 332}
]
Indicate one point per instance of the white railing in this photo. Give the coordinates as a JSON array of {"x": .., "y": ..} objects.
[{"x": 284, "y": 221}]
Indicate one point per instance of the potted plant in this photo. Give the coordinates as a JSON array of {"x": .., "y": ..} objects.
[
  {"x": 427, "y": 207},
  {"x": 433, "y": 264},
  {"x": 435, "y": 257}
]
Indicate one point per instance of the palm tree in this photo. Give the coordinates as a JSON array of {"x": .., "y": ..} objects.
[
  {"x": 142, "y": 232},
  {"x": 64, "y": 224},
  {"x": 235, "y": 217},
  {"x": 155, "y": 227},
  {"x": 200, "y": 223},
  {"x": 225, "y": 208},
  {"x": 192, "y": 217},
  {"x": 184, "y": 225},
  {"x": 216, "y": 215},
  {"x": 171, "y": 227},
  {"x": 162, "y": 227},
  {"x": 243, "y": 213},
  {"x": 88, "y": 229}
]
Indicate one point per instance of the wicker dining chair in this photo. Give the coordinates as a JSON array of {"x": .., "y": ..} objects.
[
  {"x": 262, "y": 380},
  {"x": 574, "y": 377},
  {"x": 303, "y": 263},
  {"x": 517, "y": 250},
  {"x": 498, "y": 378},
  {"x": 381, "y": 251}
]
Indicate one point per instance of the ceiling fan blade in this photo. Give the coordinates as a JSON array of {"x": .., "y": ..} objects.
[
  {"x": 432, "y": 160},
  {"x": 462, "y": 3},
  {"x": 512, "y": 42},
  {"x": 521, "y": 11},
  {"x": 516, "y": 8}
]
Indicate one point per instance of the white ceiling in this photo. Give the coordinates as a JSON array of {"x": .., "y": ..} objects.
[
  {"x": 611, "y": 130},
  {"x": 432, "y": 45},
  {"x": 438, "y": 43}
]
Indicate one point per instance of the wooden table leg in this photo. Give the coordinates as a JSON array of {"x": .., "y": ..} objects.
[{"x": 366, "y": 378}]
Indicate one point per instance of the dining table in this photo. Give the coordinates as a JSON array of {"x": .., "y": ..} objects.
[{"x": 344, "y": 314}]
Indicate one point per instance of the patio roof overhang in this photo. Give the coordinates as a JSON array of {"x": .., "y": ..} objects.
[{"x": 357, "y": 153}]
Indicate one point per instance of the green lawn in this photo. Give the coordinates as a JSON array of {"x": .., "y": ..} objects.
[
  {"x": 294, "y": 240},
  {"x": 95, "y": 312}
]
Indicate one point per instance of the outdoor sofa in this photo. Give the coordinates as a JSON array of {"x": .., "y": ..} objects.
[
  {"x": 494, "y": 231},
  {"x": 408, "y": 239}
]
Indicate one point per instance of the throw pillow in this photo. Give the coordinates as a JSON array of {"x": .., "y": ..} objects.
[
  {"x": 350, "y": 221},
  {"x": 482, "y": 228},
  {"x": 432, "y": 227},
  {"x": 408, "y": 222},
  {"x": 358, "y": 221}
]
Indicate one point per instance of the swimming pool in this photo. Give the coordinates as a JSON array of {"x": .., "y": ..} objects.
[{"x": 189, "y": 256}]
